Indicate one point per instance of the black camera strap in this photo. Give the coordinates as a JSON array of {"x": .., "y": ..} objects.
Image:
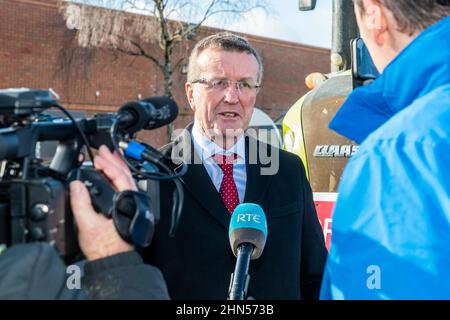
[{"x": 133, "y": 217}]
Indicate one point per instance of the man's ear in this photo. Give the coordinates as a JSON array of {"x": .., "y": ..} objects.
[
  {"x": 375, "y": 20},
  {"x": 189, "y": 87}
]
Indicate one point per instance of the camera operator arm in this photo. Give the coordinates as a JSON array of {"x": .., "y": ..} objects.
[{"x": 98, "y": 236}]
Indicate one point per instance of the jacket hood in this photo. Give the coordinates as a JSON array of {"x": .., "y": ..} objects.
[{"x": 420, "y": 68}]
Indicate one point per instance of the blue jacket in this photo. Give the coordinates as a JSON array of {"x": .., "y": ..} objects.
[{"x": 391, "y": 224}]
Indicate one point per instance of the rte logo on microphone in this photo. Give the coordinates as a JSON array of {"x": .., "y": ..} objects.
[{"x": 249, "y": 217}]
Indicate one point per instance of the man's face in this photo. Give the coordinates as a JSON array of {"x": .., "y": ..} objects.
[{"x": 223, "y": 111}]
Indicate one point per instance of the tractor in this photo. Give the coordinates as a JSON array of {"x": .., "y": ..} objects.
[{"x": 324, "y": 153}]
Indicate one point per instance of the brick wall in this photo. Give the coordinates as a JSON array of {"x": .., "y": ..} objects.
[{"x": 38, "y": 51}]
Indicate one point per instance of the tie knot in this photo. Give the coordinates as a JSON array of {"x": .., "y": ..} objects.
[{"x": 225, "y": 161}]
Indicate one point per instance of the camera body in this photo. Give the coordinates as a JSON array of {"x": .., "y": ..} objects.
[
  {"x": 37, "y": 209},
  {"x": 34, "y": 197}
]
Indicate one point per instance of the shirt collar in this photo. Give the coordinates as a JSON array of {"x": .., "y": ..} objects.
[{"x": 207, "y": 148}]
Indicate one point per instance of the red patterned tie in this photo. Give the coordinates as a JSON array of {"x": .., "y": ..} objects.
[{"x": 228, "y": 190}]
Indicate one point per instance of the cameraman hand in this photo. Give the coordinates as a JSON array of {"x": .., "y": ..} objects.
[{"x": 98, "y": 237}]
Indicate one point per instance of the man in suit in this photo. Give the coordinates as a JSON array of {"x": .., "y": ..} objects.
[{"x": 226, "y": 167}]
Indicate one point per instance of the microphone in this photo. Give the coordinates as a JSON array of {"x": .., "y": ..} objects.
[
  {"x": 248, "y": 234},
  {"x": 147, "y": 114}
]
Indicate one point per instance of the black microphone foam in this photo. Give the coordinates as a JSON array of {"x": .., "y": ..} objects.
[{"x": 150, "y": 113}]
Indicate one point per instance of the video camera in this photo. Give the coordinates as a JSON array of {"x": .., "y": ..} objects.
[{"x": 34, "y": 197}]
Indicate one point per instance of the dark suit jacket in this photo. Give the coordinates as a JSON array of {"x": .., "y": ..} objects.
[{"x": 198, "y": 261}]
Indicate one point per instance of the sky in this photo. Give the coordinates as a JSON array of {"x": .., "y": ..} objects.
[
  {"x": 283, "y": 20},
  {"x": 286, "y": 22}
]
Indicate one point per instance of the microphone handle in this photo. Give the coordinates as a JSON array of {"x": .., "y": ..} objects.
[{"x": 240, "y": 278}]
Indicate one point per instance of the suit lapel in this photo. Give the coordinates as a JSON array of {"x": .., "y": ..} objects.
[
  {"x": 196, "y": 180},
  {"x": 257, "y": 184}
]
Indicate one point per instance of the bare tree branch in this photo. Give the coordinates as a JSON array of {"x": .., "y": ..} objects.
[{"x": 141, "y": 53}]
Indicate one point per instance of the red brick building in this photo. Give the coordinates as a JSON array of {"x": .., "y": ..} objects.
[{"x": 37, "y": 50}]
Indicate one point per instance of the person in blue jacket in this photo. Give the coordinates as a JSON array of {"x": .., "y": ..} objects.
[{"x": 391, "y": 223}]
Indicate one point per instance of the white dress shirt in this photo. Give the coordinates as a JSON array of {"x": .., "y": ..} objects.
[{"x": 206, "y": 149}]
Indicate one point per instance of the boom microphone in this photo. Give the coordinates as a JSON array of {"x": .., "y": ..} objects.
[
  {"x": 248, "y": 234},
  {"x": 147, "y": 114}
]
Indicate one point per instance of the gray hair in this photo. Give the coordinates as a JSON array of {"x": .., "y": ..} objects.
[
  {"x": 223, "y": 41},
  {"x": 413, "y": 15}
]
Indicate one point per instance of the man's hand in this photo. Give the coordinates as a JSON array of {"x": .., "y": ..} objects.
[{"x": 97, "y": 235}]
